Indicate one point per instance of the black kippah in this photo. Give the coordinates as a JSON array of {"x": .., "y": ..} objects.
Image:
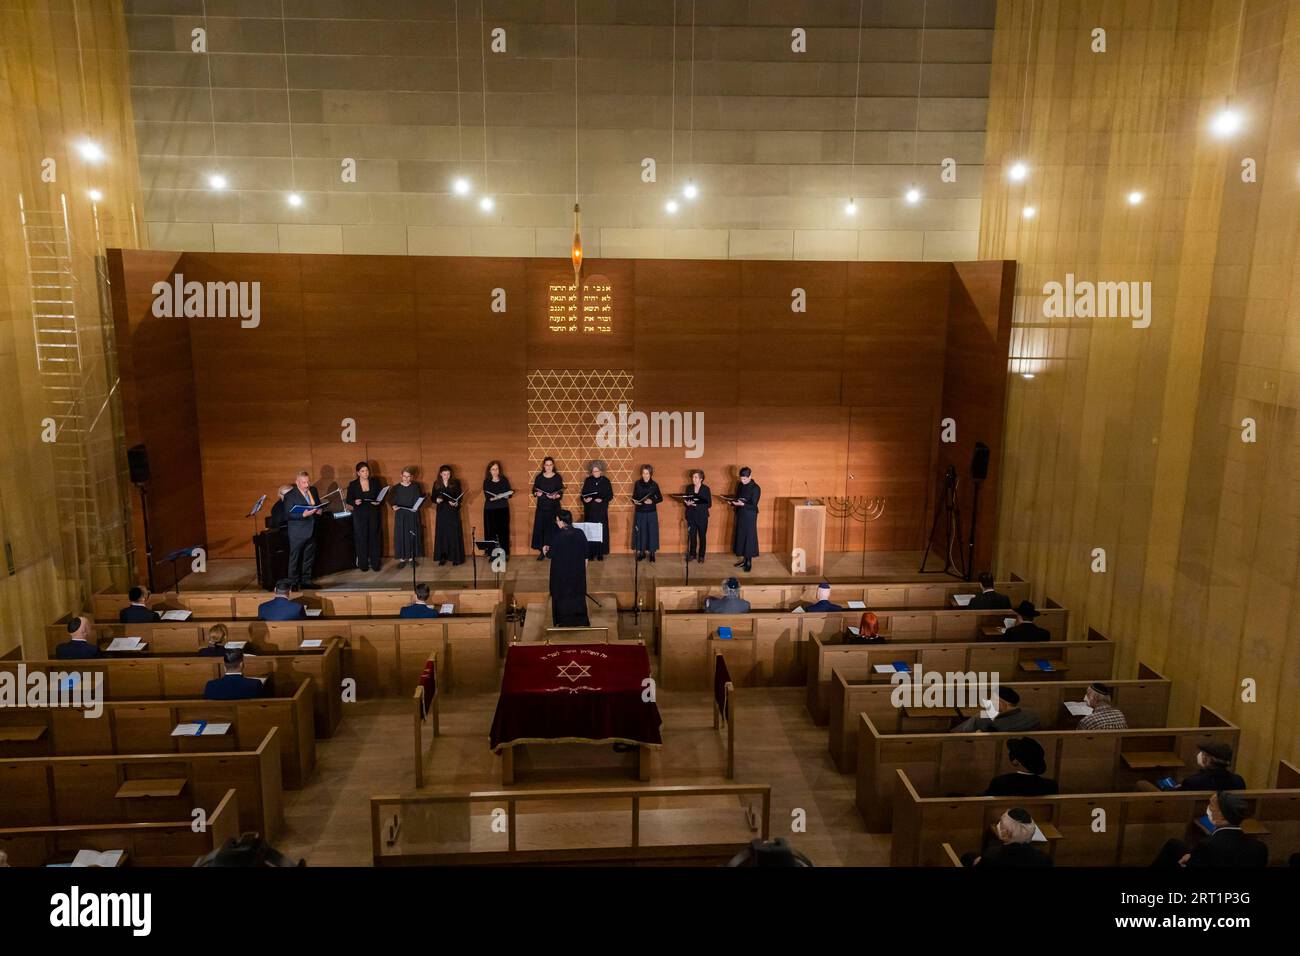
[
  {"x": 1020, "y": 815},
  {"x": 74, "y": 625}
]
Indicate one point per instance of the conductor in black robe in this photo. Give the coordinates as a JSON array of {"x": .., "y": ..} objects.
[
  {"x": 448, "y": 538},
  {"x": 408, "y": 528},
  {"x": 362, "y": 492},
  {"x": 745, "y": 542},
  {"x": 302, "y": 528},
  {"x": 548, "y": 488},
  {"x": 568, "y": 574},
  {"x": 699, "y": 499},
  {"x": 596, "y": 495}
]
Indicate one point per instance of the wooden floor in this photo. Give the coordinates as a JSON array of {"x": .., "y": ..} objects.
[
  {"x": 328, "y": 821},
  {"x": 616, "y": 573}
]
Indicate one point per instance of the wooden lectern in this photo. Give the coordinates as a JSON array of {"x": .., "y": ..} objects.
[{"x": 808, "y": 531}]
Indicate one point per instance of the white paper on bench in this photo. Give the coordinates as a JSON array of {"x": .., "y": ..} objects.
[
  {"x": 1038, "y": 836},
  {"x": 127, "y": 644},
  {"x": 104, "y": 858},
  {"x": 857, "y": 606},
  {"x": 200, "y": 730},
  {"x": 181, "y": 615},
  {"x": 962, "y": 599},
  {"x": 886, "y": 669},
  {"x": 314, "y": 611},
  {"x": 236, "y": 645},
  {"x": 314, "y": 642}
]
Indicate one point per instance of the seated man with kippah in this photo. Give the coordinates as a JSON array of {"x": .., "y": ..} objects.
[
  {"x": 1026, "y": 779},
  {"x": 1016, "y": 831},
  {"x": 1008, "y": 718}
]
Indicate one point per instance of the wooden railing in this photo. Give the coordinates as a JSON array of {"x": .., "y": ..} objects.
[{"x": 384, "y": 831}]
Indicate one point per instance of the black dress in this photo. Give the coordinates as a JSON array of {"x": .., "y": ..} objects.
[
  {"x": 448, "y": 539},
  {"x": 597, "y": 512},
  {"x": 568, "y": 581},
  {"x": 547, "y": 508},
  {"x": 745, "y": 542},
  {"x": 647, "y": 516},
  {"x": 408, "y": 527},
  {"x": 365, "y": 525},
  {"x": 697, "y": 520},
  {"x": 496, "y": 514}
]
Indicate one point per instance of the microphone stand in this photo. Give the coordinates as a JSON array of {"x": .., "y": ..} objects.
[
  {"x": 473, "y": 551},
  {"x": 636, "y": 575},
  {"x": 415, "y": 540},
  {"x": 686, "y": 550}
]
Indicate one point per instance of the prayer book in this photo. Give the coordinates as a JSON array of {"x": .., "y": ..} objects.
[
  {"x": 962, "y": 599},
  {"x": 105, "y": 858},
  {"x": 127, "y": 644},
  {"x": 414, "y": 507},
  {"x": 177, "y": 615},
  {"x": 724, "y": 633},
  {"x": 312, "y": 642},
  {"x": 857, "y": 606},
  {"x": 447, "y": 609},
  {"x": 1078, "y": 708},
  {"x": 314, "y": 611},
  {"x": 382, "y": 492}
]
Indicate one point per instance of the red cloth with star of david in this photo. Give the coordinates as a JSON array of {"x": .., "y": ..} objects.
[{"x": 590, "y": 693}]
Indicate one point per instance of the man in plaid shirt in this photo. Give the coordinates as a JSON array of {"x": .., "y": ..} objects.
[{"x": 1104, "y": 716}]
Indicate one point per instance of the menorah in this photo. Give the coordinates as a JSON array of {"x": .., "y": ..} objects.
[{"x": 862, "y": 508}]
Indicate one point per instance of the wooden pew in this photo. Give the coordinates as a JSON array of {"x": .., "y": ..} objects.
[
  {"x": 724, "y": 709},
  {"x": 1089, "y": 659},
  {"x": 383, "y": 655},
  {"x": 875, "y": 595},
  {"x": 361, "y": 602},
  {"x": 1137, "y": 824},
  {"x": 168, "y": 843},
  {"x": 1081, "y": 761},
  {"x": 183, "y": 675},
  {"x": 773, "y": 645},
  {"x": 78, "y": 791},
  {"x": 145, "y": 726},
  {"x": 425, "y": 700},
  {"x": 1145, "y": 702}
]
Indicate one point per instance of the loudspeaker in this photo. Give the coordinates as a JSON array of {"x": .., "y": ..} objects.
[
  {"x": 979, "y": 462},
  {"x": 137, "y": 459}
]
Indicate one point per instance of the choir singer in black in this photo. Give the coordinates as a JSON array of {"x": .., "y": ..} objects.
[
  {"x": 568, "y": 582},
  {"x": 745, "y": 501},
  {"x": 363, "y": 495},
  {"x": 548, "y": 489},
  {"x": 646, "y": 496},
  {"x": 496, "y": 506},
  {"x": 448, "y": 539},
  {"x": 596, "y": 494},
  {"x": 698, "y": 500},
  {"x": 408, "y": 528},
  {"x": 302, "y": 527}
]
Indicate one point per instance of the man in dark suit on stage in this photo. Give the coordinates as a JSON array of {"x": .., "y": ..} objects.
[
  {"x": 280, "y": 608},
  {"x": 1227, "y": 845},
  {"x": 234, "y": 685},
  {"x": 421, "y": 607},
  {"x": 988, "y": 599},
  {"x": 138, "y": 611},
  {"x": 302, "y": 527},
  {"x": 80, "y": 646}
]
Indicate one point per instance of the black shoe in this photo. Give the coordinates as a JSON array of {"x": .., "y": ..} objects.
[
  {"x": 414, "y": 563},
  {"x": 640, "y": 556},
  {"x": 600, "y": 557},
  {"x": 747, "y": 567},
  {"x": 401, "y": 565},
  {"x": 739, "y": 564},
  {"x": 652, "y": 557},
  {"x": 700, "y": 559},
  {"x": 442, "y": 563}
]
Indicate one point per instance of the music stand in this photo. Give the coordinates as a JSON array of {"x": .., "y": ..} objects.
[
  {"x": 173, "y": 558},
  {"x": 594, "y": 532},
  {"x": 257, "y": 555},
  {"x": 487, "y": 548}
]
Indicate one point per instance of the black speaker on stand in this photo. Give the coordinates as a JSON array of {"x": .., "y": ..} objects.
[
  {"x": 979, "y": 470},
  {"x": 137, "y": 461}
]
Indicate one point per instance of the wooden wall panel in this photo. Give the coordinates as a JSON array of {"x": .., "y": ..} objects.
[{"x": 842, "y": 398}]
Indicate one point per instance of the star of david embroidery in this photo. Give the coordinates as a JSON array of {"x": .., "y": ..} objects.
[{"x": 574, "y": 671}]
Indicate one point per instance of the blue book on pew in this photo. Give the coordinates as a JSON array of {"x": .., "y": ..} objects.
[
  {"x": 724, "y": 633},
  {"x": 1044, "y": 665},
  {"x": 1167, "y": 783},
  {"x": 1207, "y": 823},
  {"x": 902, "y": 667}
]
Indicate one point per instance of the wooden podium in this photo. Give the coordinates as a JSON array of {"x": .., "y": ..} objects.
[{"x": 808, "y": 531}]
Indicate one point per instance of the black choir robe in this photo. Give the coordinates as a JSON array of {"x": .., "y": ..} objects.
[
  {"x": 647, "y": 515},
  {"x": 496, "y": 514},
  {"x": 597, "y": 512},
  {"x": 745, "y": 542},
  {"x": 408, "y": 526},
  {"x": 544, "y": 519},
  {"x": 366, "y": 524},
  {"x": 569, "y": 578},
  {"x": 697, "y": 515},
  {"x": 448, "y": 538}
]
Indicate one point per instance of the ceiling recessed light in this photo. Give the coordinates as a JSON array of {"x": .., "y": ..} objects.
[
  {"x": 1029, "y": 212},
  {"x": 671, "y": 205},
  {"x": 90, "y": 151},
  {"x": 1226, "y": 122},
  {"x": 460, "y": 186},
  {"x": 486, "y": 204},
  {"x": 217, "y": 181},
  {"x": 851, "y": 207},
  {"x": 1134, "y": 198},
  {"x": 690, "y": 191},
  {"x": 913, "y": 195},
  {"x": 294, "y": 200},
  {"x": 95, "y": 195},
  {"x": 1018, "y": 172}
]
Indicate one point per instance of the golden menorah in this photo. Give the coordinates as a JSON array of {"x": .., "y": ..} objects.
[{"x": 861, "y": 508}]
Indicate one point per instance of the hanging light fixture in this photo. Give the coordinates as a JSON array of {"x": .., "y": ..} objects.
[{"x": 575, "y": 254}]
